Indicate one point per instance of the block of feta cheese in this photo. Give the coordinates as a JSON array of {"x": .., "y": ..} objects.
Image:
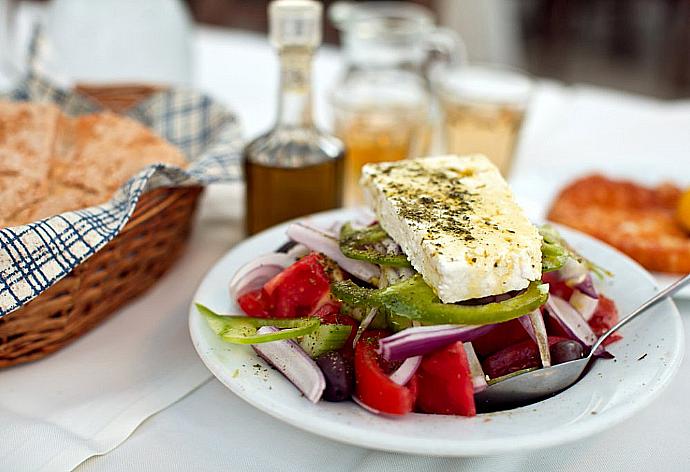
[{"x": 457, "y": 221}]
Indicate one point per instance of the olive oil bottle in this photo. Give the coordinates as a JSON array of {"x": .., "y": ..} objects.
[{"x": 294, "y": 169}]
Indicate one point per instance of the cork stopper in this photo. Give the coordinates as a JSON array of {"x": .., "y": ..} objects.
[{"x": 295, "y": 23}]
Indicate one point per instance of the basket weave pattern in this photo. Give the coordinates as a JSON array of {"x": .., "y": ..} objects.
[{"x": 127, "y": 266}]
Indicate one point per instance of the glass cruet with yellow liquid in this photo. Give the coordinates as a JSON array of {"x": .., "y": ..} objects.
[
  {"x": 382, "y": 105},
  {"x": 294, "y": 169}
]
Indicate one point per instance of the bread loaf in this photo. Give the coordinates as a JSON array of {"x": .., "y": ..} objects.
[{"x": 51, "y": 163}]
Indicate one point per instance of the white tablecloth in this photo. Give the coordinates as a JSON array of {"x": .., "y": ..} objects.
[{"x": 90, "y": 398}]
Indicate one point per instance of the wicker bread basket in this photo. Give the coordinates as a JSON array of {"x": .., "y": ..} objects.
[{"x": 126, "y": 267}]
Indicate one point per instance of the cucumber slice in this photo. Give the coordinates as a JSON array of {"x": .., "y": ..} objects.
[{"x": 325, "y": 338}]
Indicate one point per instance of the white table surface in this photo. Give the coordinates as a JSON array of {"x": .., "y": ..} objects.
[{"x": 569, "y": 131}]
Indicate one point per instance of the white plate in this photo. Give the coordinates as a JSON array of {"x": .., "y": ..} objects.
[
  {"x": 663, "y": 279},
  {"x": 646, "y": 360}
]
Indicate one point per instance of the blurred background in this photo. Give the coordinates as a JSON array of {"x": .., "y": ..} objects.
[{"x": 640, "y": 46}]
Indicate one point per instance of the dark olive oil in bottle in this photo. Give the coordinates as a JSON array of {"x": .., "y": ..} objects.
[
  {"x": 276, "y": 194},
  {"x": 295, "y": 169}
]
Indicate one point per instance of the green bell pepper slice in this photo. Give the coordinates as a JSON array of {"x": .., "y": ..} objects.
[
  {"x": 238, "y": 329},
  {"x": 415, "y": 300},
  {"x": 358, "y": 244},
  {"x": 553, "y": 257},
  {"x": 556, "y": 251},
  {"x": 553, "y": 254}
]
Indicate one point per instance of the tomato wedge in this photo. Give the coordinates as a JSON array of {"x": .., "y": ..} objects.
[
  {"x": 372, "y": 385},
  {"x": 329, "y": 313},
  {"x": 256, "y": 303},
  {"x": 444, "y": 383},
  {"x": 605, "y": 316},
  {"x": 501, "y": 336},
  {"x": 297, "y": 291}
]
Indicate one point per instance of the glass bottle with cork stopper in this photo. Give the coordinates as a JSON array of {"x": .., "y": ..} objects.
[{"x": 294, "y": 169}]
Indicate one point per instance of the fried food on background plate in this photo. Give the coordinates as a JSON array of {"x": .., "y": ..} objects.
[{"x": 639, "y": 221}]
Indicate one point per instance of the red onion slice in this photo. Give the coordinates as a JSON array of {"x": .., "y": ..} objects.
[
  {"x": 584, "y": 304},
  {"x": 419, "y": 340},
  {"x": 257, "y": 272},
  {"x": 576, "y": 274},
  {"x": 254, "y": 280},
  {"x": 527, "y": 324},
  {"x": 573, "y": 271},
  {"x": 320, "y": 241},
  {"x": 298, "y": 251},
  {"x": 571, "y": 320},
  {"x": 602, "y": 353},
  {"x": 478, "y": 376},
  {"x": 586, "y": 286},
  {"x": 407, "y": 369},
  {"x": 291, "y": 360},
  {"x": 535, "y": 327}
]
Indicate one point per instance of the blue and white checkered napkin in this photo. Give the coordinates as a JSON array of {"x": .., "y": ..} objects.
[{"x": 35, "y": 256}]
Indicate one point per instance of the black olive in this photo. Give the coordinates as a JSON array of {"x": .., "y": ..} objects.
[
  {"x": 565, "y": 351},
  {"x": 339, "y": 373}
]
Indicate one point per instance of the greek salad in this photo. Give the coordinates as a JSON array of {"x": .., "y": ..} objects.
[{"x": 344, "y": 316}]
